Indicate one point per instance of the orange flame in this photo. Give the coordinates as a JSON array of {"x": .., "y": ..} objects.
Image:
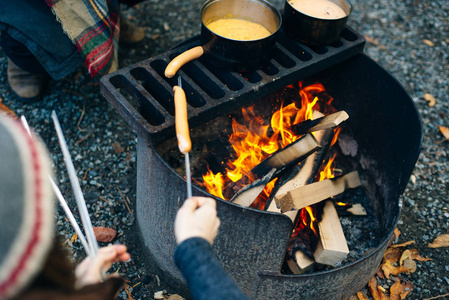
[
  {"x": 312, "y": 218},
  {"x": 255, "y": 141}
]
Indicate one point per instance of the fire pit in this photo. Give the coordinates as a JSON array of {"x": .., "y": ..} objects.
[{"x": 251, "y": 243}]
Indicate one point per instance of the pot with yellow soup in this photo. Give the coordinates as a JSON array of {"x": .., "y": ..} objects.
[{"x": 236, "y": 35}]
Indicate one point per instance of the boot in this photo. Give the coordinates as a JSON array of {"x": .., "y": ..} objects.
[
  {"x": 130, "y": 33},
  {"x": 28, "y": 87}
]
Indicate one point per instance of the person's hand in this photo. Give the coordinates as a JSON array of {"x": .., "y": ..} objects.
[
  {"x": 89, "y": 270},
  {"x": 197, "y": 217}
]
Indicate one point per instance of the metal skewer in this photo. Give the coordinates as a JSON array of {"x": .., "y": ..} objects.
[
  {"x": 61, "y": 200},
  {"x": 87, "y": 224},
  {"x": 182, "y": 130}
]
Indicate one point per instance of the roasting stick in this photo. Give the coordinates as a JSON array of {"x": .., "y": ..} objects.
[
  {"x": 87, "y": 224},
  {"x": 61, "y": 199},
  {"x": 182, "y": 130}
]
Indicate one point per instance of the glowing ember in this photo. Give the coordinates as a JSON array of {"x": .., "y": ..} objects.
[{"x": 256, "y": 140}]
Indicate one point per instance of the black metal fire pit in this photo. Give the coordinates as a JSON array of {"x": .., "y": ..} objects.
[{"x": 251, "y": 244}]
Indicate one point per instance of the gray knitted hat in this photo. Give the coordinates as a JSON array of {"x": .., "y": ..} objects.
[{"x": 26, "y": 207}]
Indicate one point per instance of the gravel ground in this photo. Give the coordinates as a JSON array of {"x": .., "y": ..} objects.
[{"x": 409, "y": 38}]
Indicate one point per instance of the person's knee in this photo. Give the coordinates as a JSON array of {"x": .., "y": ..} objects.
[{"x": 19, "y": 54}]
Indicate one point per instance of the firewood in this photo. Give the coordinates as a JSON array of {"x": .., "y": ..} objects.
[
  {"x": 317, "y": 191},
  {"x": 310, "y": 166},
  {"x": 301, "y": 263},
  {"x": 304, "y": 173},
  {"x": 287, "y": 156},
  {"x": 326, "y": 122},
  {"x": 249, "y": 192},
  {"x": 332, "y": 248}
]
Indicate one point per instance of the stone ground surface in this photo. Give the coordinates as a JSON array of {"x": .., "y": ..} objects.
[{"x": 409, "y": 38}]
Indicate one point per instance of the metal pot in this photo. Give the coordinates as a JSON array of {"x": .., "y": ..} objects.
[
  {"x": 226, "y": 53},
  {"x": 313, "y": 29}
]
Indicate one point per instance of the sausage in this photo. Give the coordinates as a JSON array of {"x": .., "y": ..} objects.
[
  {"x": 181, "y": 123},
  {"x": 182, "y": 59}
]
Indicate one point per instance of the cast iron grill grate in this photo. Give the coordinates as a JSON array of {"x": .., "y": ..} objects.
[{"x": 144, "y": 97}]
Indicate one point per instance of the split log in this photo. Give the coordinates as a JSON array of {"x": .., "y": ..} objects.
[
  {"x": 287, "y": 156},
  {"x": 301, "y": 263},
  {"x": 321, "y": 123},
  {"x": 318, "y": 191},
  {"x": 304, "y": 173},
  {"x": 249, "y": 192},
  {"x": 311, "y": 165},
  {"x": 332, "y": 248}
]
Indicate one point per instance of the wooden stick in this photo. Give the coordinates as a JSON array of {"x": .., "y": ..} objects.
[
  {"x": 332, "y": 248},
  {"x": 301, "y": 263},
  {"x": 249, "y": 192},
  {"x": 287, "y": 156},
  {"x": 318, "y": 191},
  {"x": 305, "y": 174},
  {"x": 323, "y": 122}
]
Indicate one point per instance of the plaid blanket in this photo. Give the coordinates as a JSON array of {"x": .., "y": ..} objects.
[{"x": 93, "y": 26}]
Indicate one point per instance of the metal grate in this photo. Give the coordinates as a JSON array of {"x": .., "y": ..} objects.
[{"x": 143, "y": 95}]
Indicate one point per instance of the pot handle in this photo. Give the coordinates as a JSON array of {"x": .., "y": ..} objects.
[{"x": 182, "y": 59}]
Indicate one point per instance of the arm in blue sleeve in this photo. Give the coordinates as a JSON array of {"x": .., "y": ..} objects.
[{"x": 203, "y": 272}]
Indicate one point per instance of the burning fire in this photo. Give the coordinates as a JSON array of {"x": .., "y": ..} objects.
[{"x": 255, "y": 141}]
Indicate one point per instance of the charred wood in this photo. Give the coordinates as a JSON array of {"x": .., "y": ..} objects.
[
  {"x": 324, "y": 122},
  {"x": 249, "y": 193},
  {"x": 287, "y": 156}
]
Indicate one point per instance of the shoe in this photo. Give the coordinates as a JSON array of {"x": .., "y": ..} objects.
[
  {"x": 130, "y": 33},
  {"x": 28, "y": 87}
]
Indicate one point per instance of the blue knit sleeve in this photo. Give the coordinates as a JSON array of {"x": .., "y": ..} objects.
[{"x": 203, "y": 272}]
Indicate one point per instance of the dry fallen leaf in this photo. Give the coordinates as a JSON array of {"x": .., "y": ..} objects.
[
  {"x": 5, "y": 110},
  {"x": 416, "y": 256},
  {"x": 392, "y": 255},
  {"x": 389, "y": 269},
  {"x": 403, "y": 244},
  {"x": 74, "y": 238},
  {"x": 103, "y": 234},
  {"x": 372, "y": 286},
  {"x": 445, "y": 131},
  {"x": 440, "y": 241},
  {"x": 380, "y": 273},
  {"x": 428, "y": 43},
  {"x": 375, "y": 42},
  {"x": 397, "y": 233},
  {"x": 399, "y": 290},
  {"x": 429, "y": 98},
  {"x": 361, "y": 296},
  {"x": 410, "y": 264},
  {"x": 406, "y": 254},
  {"x": 117, "y": 148}
]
